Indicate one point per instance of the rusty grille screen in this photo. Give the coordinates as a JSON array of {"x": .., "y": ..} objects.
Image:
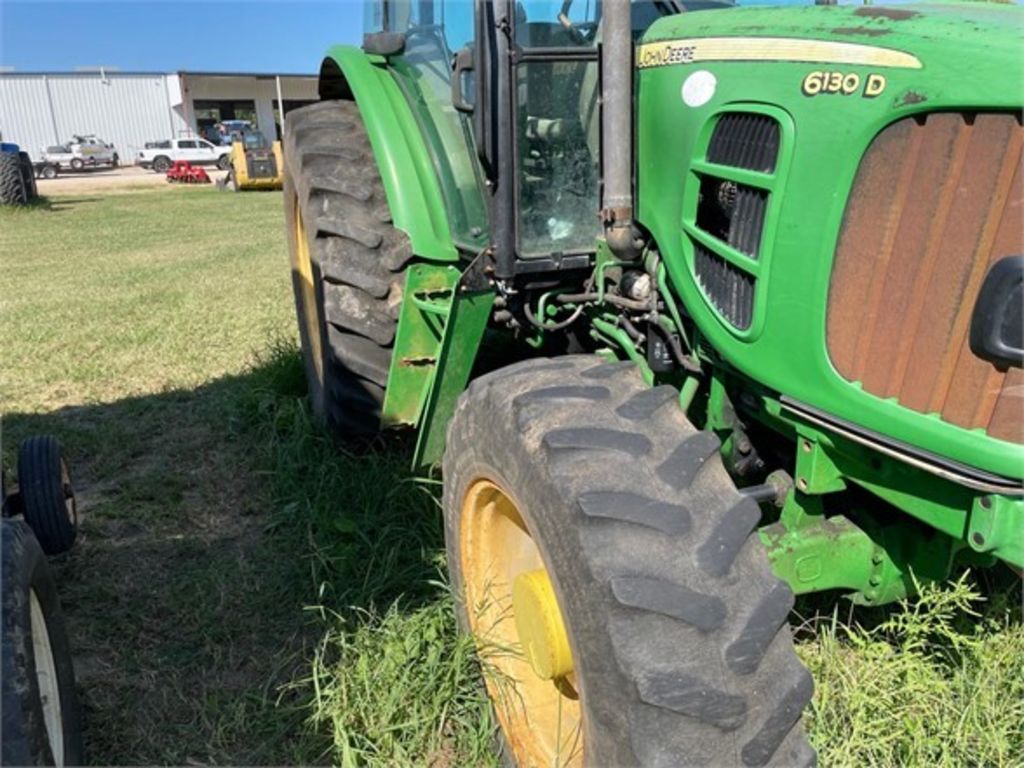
[{"x": 936, "y": 201}]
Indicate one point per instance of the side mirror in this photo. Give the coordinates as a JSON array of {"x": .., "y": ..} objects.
[{"x": 997, "y": 322}]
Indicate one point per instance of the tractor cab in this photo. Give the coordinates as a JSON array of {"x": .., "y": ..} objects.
[{"x": 513, "y": 92}]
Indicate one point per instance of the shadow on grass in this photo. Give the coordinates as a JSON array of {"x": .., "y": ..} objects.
[{"x": 211, "y": 520}]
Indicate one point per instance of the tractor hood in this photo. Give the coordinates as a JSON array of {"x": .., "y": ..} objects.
[
  {"x": 952, "y": 44},
  {"x": 827, "y": 186}
]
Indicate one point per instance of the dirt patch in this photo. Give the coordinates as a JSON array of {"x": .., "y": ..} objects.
[
  {"x": 862, "y": 31},
  {"x": 893, "y": 14},
  {"x": 112, "y": 180}
]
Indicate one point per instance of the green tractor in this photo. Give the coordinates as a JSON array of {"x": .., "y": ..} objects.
[{"x": 698, "y": 307}]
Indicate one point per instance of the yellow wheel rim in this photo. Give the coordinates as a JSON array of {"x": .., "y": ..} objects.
[
  {"x": 304, "y": 267},
  {"x": 515, "y": 618}
]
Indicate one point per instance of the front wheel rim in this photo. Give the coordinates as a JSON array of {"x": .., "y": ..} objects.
[
  {"x": 304, "y": 268},
  {"x": 541, "y": 718},
  {"x": 46, "y": 680}
]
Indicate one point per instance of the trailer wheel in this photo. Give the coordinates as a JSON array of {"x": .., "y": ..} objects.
[
  {"x": 47, "y": 497},
  {"x": 41, "y": 723},
  {"x": 77, "y": 164},
  {"x": 348, "y": 263},
  {"x": 623, "y": 604},
  {"x": 12, "y": 181},
  {"x": 161, "y": 164}
]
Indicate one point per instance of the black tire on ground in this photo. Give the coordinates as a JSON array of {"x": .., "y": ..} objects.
[
  {"x": 347, "y": 305},
  {"x": 29, "y": 587},
  {"x": 115, "y": 161},
  {"x": 677, "y": 625},
  {"x": 161, "y": 164},
  {"x": 49, "y": 171},
  {"x": 47, "y": 497},
  {"x": 28, "y": 172},
  {"x": 224, "y": 162},
  {"x": 77, "y": 164},
  {"x": 12, "y": 180}
]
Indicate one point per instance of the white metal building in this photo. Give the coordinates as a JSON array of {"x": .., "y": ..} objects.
[{"x": 128, "y": 109}]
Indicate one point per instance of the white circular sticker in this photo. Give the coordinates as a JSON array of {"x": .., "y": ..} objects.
[{"x": 698, "y": 88}]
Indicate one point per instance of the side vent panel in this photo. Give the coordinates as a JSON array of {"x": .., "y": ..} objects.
[
  {"x": 745, "y": 140},
  {"x": 727, "y": 228},
  {"x": 733, "y": 213},
  {"x": 730, "y": 289}
]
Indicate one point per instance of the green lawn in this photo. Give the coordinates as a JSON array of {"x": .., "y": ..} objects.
[{"x": 243, "y": 592}]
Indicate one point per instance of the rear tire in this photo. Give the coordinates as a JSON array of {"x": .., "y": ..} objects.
[
  {"x": 47, "y": 497},
  {"x": 77, "y": 164},
  {"x": 12, "y": 181},
  {"x": 224, "y": 162},
  {"x": 49, "y": 171},
  {"x": 41, "y": 724},
  {"x": 161, "y": 164},
  {"x": 681, "y": 652},
  {"x": 348, "y": 263}
]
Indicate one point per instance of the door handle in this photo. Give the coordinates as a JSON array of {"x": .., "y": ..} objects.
[{"x": 462, "y": 64}]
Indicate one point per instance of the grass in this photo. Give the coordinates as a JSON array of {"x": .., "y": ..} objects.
[{"x": 245, "y": 593}]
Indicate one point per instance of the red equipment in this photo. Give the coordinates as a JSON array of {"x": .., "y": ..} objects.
[{"x": 183, "y": 172}]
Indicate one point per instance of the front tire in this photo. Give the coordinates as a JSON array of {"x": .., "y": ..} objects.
[
  {"x": 41, "y": 724},
  {"x": 348, "y": 262},
  {"x": 675, "y": 624},
  {"x": 46, "y": 493}
]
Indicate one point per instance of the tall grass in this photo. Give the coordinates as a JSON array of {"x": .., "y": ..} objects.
[
  {"x": 938, "y": 682},
  {"x": 391, "y": 682}
]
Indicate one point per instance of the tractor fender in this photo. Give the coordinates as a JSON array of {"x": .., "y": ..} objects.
[{"x": 410, "y": 180}]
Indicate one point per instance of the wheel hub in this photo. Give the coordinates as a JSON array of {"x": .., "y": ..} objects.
[{"x": 539, "y": 624}]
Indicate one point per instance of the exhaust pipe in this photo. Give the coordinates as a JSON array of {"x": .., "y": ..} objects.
[{"x": 620, "y": 233}]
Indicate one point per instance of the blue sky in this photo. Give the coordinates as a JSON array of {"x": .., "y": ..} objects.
[{"x": 284, "y": 36}]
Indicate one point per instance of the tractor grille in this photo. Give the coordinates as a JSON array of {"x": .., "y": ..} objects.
[
  {"x": 729, "y": 288},
  {"x": 745, "y": 140},
  {"x": 733, "y": 213},
  {"x": 937, "y": 200}
]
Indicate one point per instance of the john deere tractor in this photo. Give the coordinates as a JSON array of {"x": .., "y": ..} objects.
[{"x": 697, "y": 307}]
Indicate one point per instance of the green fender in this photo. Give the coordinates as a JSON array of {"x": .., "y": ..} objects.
[{"x": 410, "y": 181}]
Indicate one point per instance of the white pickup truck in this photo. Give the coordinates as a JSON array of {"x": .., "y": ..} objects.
[
  {"x": 160, "y": 155},
  {"x": 80, "y": 153}
]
